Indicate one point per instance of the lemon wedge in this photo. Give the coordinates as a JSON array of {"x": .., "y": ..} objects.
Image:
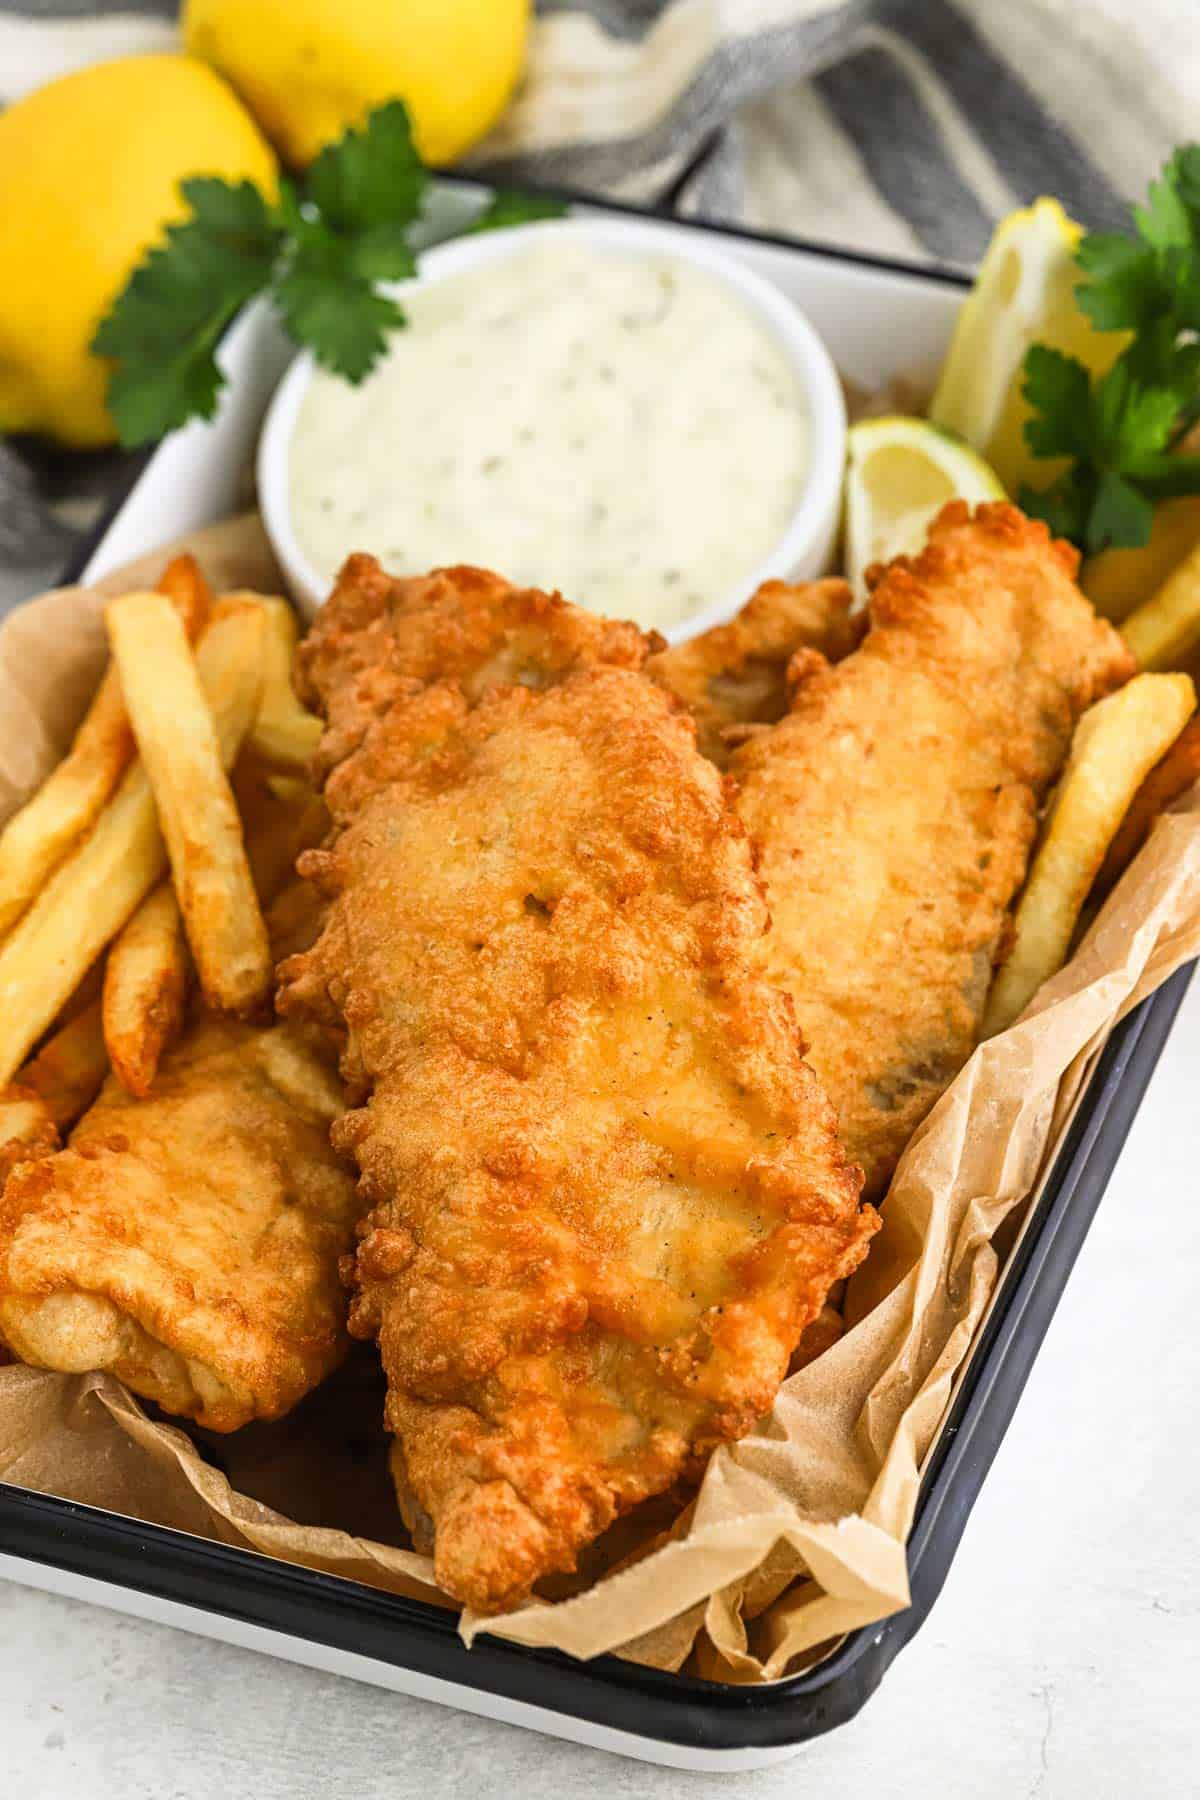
[
  {"x": 1024, "y": 294},
  {"x": 900, "y": 472}
]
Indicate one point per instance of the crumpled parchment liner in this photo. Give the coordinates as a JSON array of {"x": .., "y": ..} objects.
[{"x": 797, "y": 1533}]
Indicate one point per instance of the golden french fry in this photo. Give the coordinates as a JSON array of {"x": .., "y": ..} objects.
[
  {"x": 1118, "y": 581},
  {"x": 285, "y": 733},
  {"x": 1165, "y": 631},
  {"x": 1117, "y": 742},
  {"x": 26, "y": 1130},
  {"x": 281, "y": 816},
  {"x": 188, "y": 592},
  {"x": 83, "y": 997},
  {"x": 179, "y": 745},
  {"x": 84, "y": 904},
  {"x": 91, "y": 895},
  {"x": 294, "y": 791},
  {"x": 68, "y": 1070},
  {"x": 36, "y": 838},
  {"x": 145, "y": 986},
  {"x": 229, "y": 662},
  {"x": 1177, "y": 771}
]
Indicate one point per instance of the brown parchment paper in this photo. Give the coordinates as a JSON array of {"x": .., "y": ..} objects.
[{"x": 797, "y": 1534}]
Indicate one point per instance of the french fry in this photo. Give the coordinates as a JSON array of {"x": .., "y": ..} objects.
[
  {"x": 285, "y": 733},
  {"x": 229, "y": 662},
  {"x": 1166, "y": 629},
  {"x": 188, "y": 592},
  {"x": 84, "y": 904},
  {"x": 70, "y": 1067},
  {"x": 145, "y": 986},
  {"x": 1116, "y": 744},
  {"x": 1178, "y": 770},
  {"x": 87, "y": 992},
  {"x": 1118, "y": 581},
  {"x": 91, "y": 895},
  {"x": 36, "y": 838},
  {"x": 182, "y": 754},
  {"x": 281, "y": 816},
  {"x": 290, "y": 790}
]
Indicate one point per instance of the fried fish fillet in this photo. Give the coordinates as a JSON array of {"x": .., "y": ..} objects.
[
  {"x": 27, "y": 1133},
  {"x": 894, "y": 809},
  {"x": 736, "y": 675},
  {"x": 607, "y": 1194},
  {"x": 379, "y": 640},
  {"x": 189, "y": 1242}
]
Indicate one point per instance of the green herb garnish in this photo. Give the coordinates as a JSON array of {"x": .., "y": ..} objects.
[
  {"x": 1121, "y": 429},
  {"x": 514, "y": 208},
  {"x": 320, "y": 252}
]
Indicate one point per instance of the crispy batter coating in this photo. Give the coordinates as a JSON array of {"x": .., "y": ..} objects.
[
  {"x": 379, "y": 639},
  {"x": 189, "y": 1242},
  {"x": 27, "y": 1128},
  {"x": 27, "y": 1133},
  {"x": 895, "y": 807},
  {"x": 736, "y": 675},
  {"x": 607, "y": 1191}
]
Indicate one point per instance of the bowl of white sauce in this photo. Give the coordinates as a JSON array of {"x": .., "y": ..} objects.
[{"x": 607, "y": 408}]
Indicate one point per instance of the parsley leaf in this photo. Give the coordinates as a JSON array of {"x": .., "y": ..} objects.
[
  {"x": 1064, "y": 506},
  {"x": 338, "y": 314},
  {"x": 1163, "y": 477},
  {"x": 1122, "y": 290},
  {"x": 511, "y": 207},
  {"x": 163, "y": 330},
  {"x": 372, "y": 176},
  {"x": 320, "y": 251},
  {"x": 1186, "y": 164},
  {"x": 1119, "y": 514},
  {"x": 1057, "y": 387},
  {"x": 1120, "y": 429},
  {"x": 1164, "y": 222}
]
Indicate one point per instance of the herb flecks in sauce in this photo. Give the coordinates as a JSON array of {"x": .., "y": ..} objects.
[{"x": 622, "y": 428}]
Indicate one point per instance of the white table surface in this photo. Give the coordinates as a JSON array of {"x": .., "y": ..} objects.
[{"x": 1062, "y": 1660}]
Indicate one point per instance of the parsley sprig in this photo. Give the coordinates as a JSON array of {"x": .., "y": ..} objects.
[
  {"x": 1121, "y": 429},
  {"x": 321, "y": 251}
]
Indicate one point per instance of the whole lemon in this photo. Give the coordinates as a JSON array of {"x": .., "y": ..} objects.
[
  {"x": 89, "y": 174},
  {"x": 307, "y": 69}
]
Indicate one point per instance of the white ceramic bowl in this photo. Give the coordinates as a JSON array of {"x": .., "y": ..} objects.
[{"x": 804, "y": 549}]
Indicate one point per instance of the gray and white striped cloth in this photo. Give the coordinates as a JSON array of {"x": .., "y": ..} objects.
[{"x": 901, "y": 126}]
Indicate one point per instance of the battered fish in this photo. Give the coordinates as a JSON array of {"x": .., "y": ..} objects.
[
  {"x": 379, "y": 640},
  {"x": 189, "y": 1242},
  {"x": 607, "y": 1193},
  {"x": 736, "y": 675},
  {"x": 895, "y": 807}
]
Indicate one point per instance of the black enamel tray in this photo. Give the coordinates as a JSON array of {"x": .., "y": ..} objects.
[{"x": 342, "y": 1625}]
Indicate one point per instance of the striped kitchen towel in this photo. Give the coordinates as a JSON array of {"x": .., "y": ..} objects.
[{"x": 901, "y": 126}]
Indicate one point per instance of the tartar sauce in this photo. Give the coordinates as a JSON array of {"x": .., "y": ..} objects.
[{"x": 618, "y": 427}]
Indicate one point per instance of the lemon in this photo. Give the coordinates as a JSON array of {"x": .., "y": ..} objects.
[
  {"x": 308, "y": 69},
  {"x": 1024, "y": 294},
  {"x": 89, "y": 173},
  {"x": 900, "y": 472},
  {"x": 1118, "y": 581}
]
